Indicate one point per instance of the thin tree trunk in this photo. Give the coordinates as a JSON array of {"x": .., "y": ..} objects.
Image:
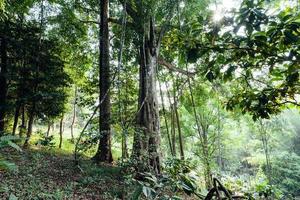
[
  {"x": 173, "y": 130},
  {"x": 19, "y": 102},
  {"x": 172, "y": 123},
  {"x": 61, "y": 130},
  {"x": 179, "y": 131},
  {"x": 104, "y": 149},
  {"x": 74, "y": 114},
  {"x": 48, "y": 129},
  {"x": 202, "y": 132},
  {"x": 23, "y": 123},
  {"x": 208, "y": 174},
  {"x": 165, "y": 119},
  {"x": 124, "y": 146},
  {"x": 175, "y": 98},
  {"x": 264, "y": 140},
  {"x": 178, "y": 121},
  {"x": 30, "y": 125},
  {"x": 3, "y": 83},
  {"x": 219, "y": 157},
  {"x": 16, "y": 117}
]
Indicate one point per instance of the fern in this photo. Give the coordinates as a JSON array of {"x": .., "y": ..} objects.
[
  {"x": 7, "y": 141},
  {"x": 7, "y": 166}
]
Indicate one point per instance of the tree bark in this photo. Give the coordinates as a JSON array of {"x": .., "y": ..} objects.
[
  {"x": 3, "y": 83},
  {"x": 147, "y": 137},
  {"x": 104, "y": 149},
  {"x": 61, "y": 130}
]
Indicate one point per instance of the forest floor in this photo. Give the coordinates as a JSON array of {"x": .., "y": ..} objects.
[{"x": 46, "y": 174}]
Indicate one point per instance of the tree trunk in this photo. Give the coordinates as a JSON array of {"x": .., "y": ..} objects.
[
  {"x": 124, "y": 145},
  {"x": 32, "y": 112},
  {"x": 147, "y": 137},
  {"x": 219, "y": 144},
  {"x": 61, "y": 130},
  {"x": 74, "y": 114},
  {"x": 207, "y": 160},
  {"x": 3, "y": 83},
  {"x": 173, "y": 130},
  {"x": 23, "y": 123},
  {"x": 30, "y": 124},
  {"x": 264, "y": 139},
  {"x": 208, "y": 174},
  {"x": 16, "y": 117},
  {"x": 179, "y": 131},
  {"x": 48, "y": 129},
  {"x": 104, "y": 149},
  {"x": 165, "y": 118}
]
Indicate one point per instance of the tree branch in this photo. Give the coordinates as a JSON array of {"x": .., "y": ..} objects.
[
  {"x": 133, "y": 14},
  {"x": 171, "y": 67}
]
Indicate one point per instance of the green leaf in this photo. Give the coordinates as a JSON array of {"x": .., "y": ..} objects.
[
  {"x": 5, "y": 165},
  {"x": 14, "y": 145},
  {"x": 148, "y": 191},
  {"x": 137, "y": 193}
]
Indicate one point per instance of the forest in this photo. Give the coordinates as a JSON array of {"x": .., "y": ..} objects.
[{"x": 149, "y": 99}]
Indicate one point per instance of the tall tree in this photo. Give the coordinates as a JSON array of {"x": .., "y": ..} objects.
[
  {"x": 104, "y": 149},
  {"x": 146, "y": 140},
  {"x": 3, "y": 81}
]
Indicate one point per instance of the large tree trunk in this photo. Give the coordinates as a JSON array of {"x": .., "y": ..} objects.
[
  {"x": 147, "y": 138},
  {"x": 61, "y": 130},
  {"x": 104, "y": 149},
  {"x": 3, "y": 83}
]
